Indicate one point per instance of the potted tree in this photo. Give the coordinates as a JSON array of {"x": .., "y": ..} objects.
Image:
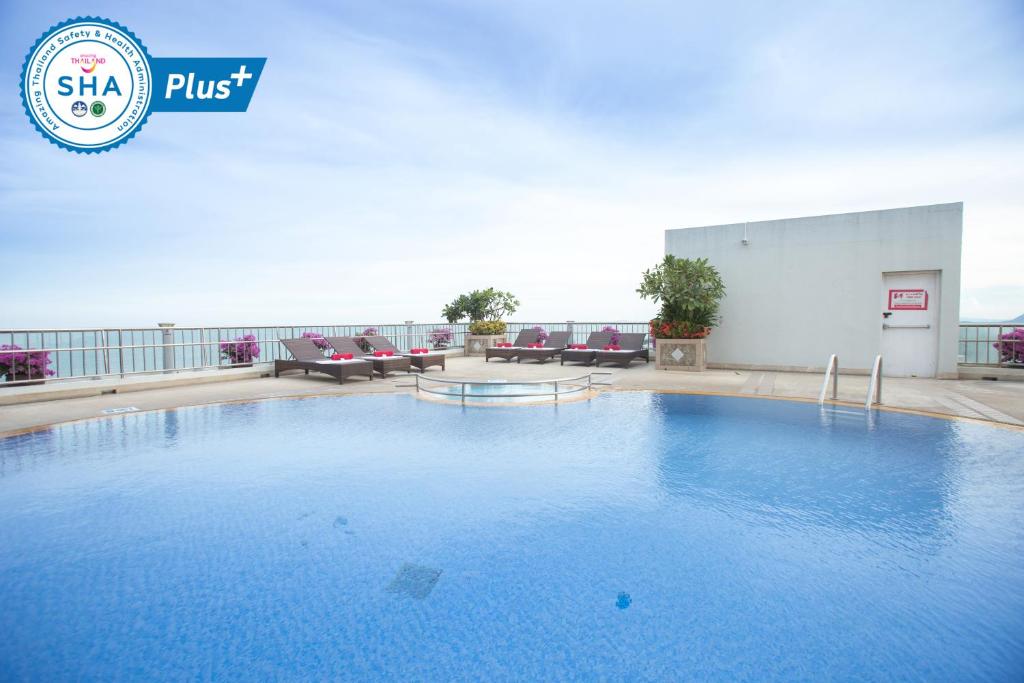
[
  {"x": 361, "y": 340},
  {"x": 1011, "y": 346},
  {"x": 440, "y": 338},
  {"x": 615, "y": 339},
  {"x": 485, "y": 309},
  {"x": 241, "y": 352},
  {"x": 690, "y": 292},
  {"x": 26, "y": 366},
  {"x": 318, "y": 340}
]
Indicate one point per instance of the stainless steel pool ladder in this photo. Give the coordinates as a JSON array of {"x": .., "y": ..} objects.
[
  {"x": 831, "y": 371},
  {"x": 874, "y": 396},
  {"x": 874, "y": 385}
]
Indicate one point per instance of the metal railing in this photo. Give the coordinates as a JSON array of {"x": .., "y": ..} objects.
[
  {"x": 874, "y": 385},
  {"x": 831, "y": 372},
  {"x": 103, "y": 353},
  {"x": 993, "y": 345},
  {"x": 558, "y": 387}
]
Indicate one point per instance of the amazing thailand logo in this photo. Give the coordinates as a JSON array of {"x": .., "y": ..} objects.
[{"x": 89, "y": 85}]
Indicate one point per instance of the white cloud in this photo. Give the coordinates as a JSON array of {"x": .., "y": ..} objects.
[{"x": 375, "y": 178}]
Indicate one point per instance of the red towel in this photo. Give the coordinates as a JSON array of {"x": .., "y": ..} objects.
[
  {"x": 613, "y": 347},
  {"x": 578, "y": 346},
  {"x": 341, "y": 356},
  {"x": 535, "y": 346},
  {"x": 504, "y": 345},
  {"x": 382, "y": 354},
  {"x": 419, "y": 350}
]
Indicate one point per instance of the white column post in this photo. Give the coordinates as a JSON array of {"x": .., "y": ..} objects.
[{"x": 168, "y": 341}]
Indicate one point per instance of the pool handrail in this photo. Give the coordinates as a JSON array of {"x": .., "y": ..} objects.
[
  {"x": 462, "y": 395},
  {"x": 874, "y": 385},
  {"x": 831, "y": 370}
]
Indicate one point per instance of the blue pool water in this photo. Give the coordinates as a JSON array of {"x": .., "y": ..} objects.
[{"x": 635, "y": 536}]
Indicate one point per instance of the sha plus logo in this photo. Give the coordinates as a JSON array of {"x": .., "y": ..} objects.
[
  {"x": 88, "y": 60},
  {"x": 88, "y": 84}
]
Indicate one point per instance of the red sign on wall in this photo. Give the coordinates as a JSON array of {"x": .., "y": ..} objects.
[{"x": 908, "y": 300}]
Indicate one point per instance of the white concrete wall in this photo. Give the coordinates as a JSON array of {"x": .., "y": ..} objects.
[{"x": 804, "y": 288}]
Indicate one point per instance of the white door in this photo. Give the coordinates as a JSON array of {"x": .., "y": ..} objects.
[{"x": 910, "y": 324}]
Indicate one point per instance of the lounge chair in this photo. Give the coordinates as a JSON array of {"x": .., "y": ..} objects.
[
  {"x": 596, "y": 340},
  {"x": 524, "y": 337},
  {"x": 554, "y": 345},
  {"x": 420, "y": 361},
  {"x": 382, "y": 365},
  {"x": 631, "y": 347},
  {"x": 306, "y": 356}
]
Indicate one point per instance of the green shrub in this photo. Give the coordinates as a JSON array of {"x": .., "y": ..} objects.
[
  {"x": 487, "y": 327},
  {"x": 481, "y": 305},
  {"x": 689, "y": 291}
]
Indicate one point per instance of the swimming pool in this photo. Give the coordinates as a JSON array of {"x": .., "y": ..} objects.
[{"x": 633, "y": 536}]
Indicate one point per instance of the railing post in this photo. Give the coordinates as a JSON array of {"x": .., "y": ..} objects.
[
  {"x": 408, "y": 335},
  {"x": 106, "y": 352},
  {"x": 556, "y": 391},
  {"x": 168, "y": 341},
  {"x": 568, "y": 328},
  {"x": 463, "y": 393},
  {"x": 120, "y": 352}
]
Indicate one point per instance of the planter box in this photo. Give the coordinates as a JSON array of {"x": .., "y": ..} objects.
[
  {"x": 477, "y": 344},
  {"x": 687, "y": 355}
]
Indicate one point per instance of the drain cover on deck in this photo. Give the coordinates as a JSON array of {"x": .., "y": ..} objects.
[{"x": 414, "y": 580}]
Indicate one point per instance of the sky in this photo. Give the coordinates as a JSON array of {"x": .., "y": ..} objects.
[{"x": 397, "y": 154}]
